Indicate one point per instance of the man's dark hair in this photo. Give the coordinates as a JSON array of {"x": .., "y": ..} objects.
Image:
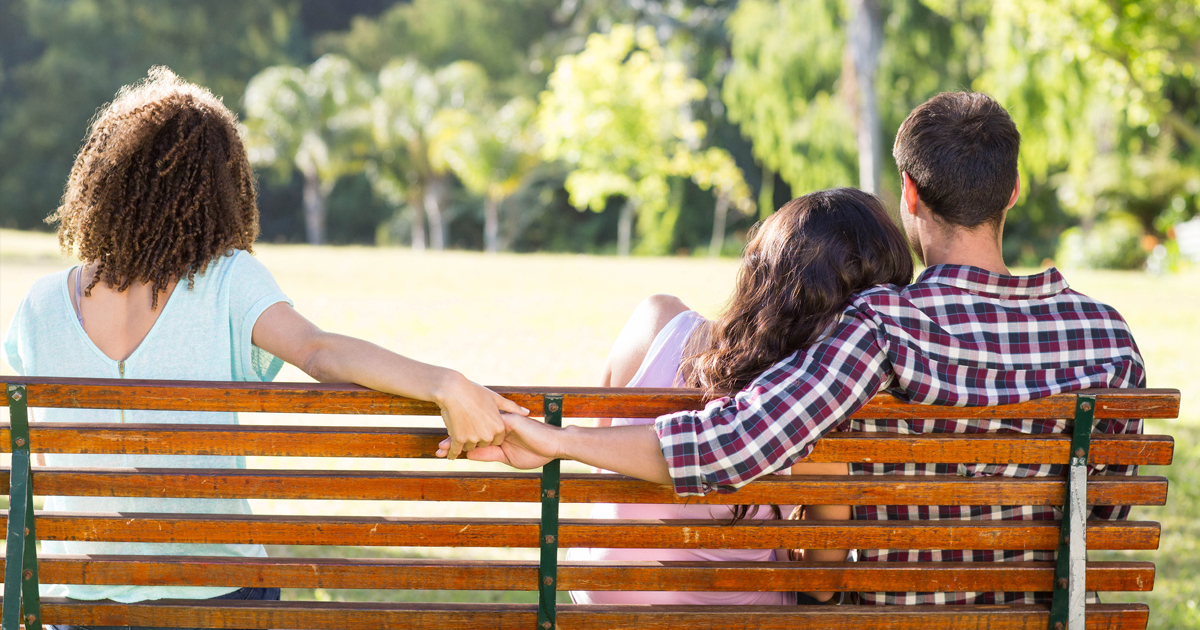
[{"x": 960, "y": 149}]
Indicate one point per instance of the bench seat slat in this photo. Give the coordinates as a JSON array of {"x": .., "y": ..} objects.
[
  {"x": 577, "y": 488},
  {"x": 501, "y": 575},
  {"x": 502, "y": 532},
  {"x": 397, "y": 442},
  {"x": 580, "y": 402},
  {"x": 373, "y": 616}
]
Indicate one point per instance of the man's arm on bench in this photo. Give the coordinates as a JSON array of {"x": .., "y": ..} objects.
[
  {"x": 764, "y": 428},
  {"x": 631, "y": 450}
]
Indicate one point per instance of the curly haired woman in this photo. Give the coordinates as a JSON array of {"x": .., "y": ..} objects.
[
  {"x": 160, "y": 207},
  {"x": 798, "y": 272}
]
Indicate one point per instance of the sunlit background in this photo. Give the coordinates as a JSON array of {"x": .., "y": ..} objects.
[{"x": 563, "y": 134}]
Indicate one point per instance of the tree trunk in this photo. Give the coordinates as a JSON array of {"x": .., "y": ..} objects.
[
  {"x": 314, "y": 209},
  {"x": 719, "y": 219},
  {"x": 766, "y": 194},
  {"x": 625, "y": 228},
  {"x": 418, "y": 227},
  {"x": 865, "y": 39},
  {"x": 435, "y": 200},
  {"x": 491, "y": 224}
]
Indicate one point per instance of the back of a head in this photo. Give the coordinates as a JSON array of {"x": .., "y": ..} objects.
[
  {"x": 161, "y": 187},
  {"x": 798, "y": 272},
  {"x": 960, "y": 149}
]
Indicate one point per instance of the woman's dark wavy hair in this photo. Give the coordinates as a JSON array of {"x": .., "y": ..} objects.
[
  {"x": 798, "y": 273},
  {"x": 161, "y": 187}
]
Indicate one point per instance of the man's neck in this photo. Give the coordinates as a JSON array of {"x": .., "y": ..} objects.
[{"x": 978, "y": 248}]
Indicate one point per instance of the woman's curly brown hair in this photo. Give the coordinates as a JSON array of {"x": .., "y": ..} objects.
[{"x": 161, "y": 187}]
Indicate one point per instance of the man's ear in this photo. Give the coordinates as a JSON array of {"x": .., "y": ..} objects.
[
  {"x": 908, "y": 194},
  {"x": 1012, "y": 200}
]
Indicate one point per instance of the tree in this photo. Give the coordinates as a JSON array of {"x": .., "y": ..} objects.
[
  {"x": 715, "y": 169},
  {"x": 866, "y": 32},
  {"x": 314, "y": 120},
  {"x": 618, "y": 114},
  {"x": 805, "y": 73},
  {"x": 492, "y": 156},
  {"x": 60, "y": 60},
  {"x": 496, "y": 34},
  {"x": 1101, "y": 92},
  {"x": 784, "y": 91},
  {"x": 418, "y": 116}
]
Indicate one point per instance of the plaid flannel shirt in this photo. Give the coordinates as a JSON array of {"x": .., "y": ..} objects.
[{"x": 958, "y": 336}]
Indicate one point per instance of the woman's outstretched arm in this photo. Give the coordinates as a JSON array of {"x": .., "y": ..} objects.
[{"x": 471, "y": 412}]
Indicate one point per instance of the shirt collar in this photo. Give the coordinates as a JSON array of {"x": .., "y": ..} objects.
[{"x": 1045, "y": 284}]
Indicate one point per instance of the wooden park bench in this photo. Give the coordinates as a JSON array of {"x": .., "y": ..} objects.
[{"x": 550, "y": 577}]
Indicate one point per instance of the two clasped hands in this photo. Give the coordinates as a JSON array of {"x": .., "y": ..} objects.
[{"x": 511, "y": 437}]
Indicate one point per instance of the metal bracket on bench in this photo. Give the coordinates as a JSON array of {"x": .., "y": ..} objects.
[
  {"x": 548, "y": 536},
  {"x": 20, "y": 570},
  {"x": 1070, "y": 574}
]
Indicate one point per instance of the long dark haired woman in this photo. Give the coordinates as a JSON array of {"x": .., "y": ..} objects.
[{"x": 798, "y": 272}]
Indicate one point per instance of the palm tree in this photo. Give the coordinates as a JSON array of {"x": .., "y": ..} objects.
[
  {"x": 491, "y": 155},
  {"x": 416, "y": 117},
  {"x": 312, "y": 120}
]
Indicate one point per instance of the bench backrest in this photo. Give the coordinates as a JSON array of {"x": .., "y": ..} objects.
[{"x": 548, "y": 534}]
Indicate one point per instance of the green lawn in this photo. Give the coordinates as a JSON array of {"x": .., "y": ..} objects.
[{"x": 549, "y": 319}]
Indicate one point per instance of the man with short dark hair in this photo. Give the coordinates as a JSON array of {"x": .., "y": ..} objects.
[{"x": 966, "y": 333}]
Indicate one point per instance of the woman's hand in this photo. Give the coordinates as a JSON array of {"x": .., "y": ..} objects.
[
  {"x": 631, "y": 450},
  {"x": 472, "y": 414},
  {"x": 528, "y": 444}
]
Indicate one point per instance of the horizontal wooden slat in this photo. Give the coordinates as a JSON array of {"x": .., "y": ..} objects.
[
  {"x": 497, "y": 532},
  {"x": 578, "y": 402},
  {"x": 501, "y": 575},
  {"x": 994, "y": 448},
  {"x": 373, "y": 616},
  {"x": 400, "y": 442},
  {"x": 576, "y": 488}
]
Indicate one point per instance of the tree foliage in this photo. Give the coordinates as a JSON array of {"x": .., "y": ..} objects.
[
  {"x": 618, "y": 114},
  {"x": 655, "y": 102},
  {"x": 313, "y": 120},
  {"x": 1101, "y": 92},
  {"x": 491, "y": 154},
  {"x": 61, "y": 60},
  {"x": 498, "y": 35},
  {"x": 419, "y": 117},
  {"x": 784, "y": 90}
]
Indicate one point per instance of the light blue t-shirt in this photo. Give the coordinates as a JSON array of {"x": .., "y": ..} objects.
[{"x": 202, "y": 334}]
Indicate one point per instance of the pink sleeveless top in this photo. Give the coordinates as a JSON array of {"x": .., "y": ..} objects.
[{"x": 660, "y": 368}]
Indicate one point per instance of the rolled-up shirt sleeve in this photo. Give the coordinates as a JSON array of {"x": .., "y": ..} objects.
[{"x": 776, "y": 419}]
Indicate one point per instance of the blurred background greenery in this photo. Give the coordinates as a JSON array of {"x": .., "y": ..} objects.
[{"x": 645, "y": 126}]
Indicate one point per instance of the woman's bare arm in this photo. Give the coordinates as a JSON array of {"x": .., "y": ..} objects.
[
  {"x": 824, "y": 513},
  {"x": 471, "y": 412}
]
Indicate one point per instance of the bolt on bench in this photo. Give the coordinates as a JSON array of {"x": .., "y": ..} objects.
[{"x": 1067, "y": 578}]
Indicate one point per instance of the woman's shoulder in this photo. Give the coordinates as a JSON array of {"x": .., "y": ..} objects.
[
  {"x": 648, "y": 319},
  {"x": 653, "y": 313},
  {"x": 47, "y": 291},
  {"x": 234, "y": 268}
]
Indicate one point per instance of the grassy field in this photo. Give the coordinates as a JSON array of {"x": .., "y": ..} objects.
[{"x": 549, "y": 320}]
